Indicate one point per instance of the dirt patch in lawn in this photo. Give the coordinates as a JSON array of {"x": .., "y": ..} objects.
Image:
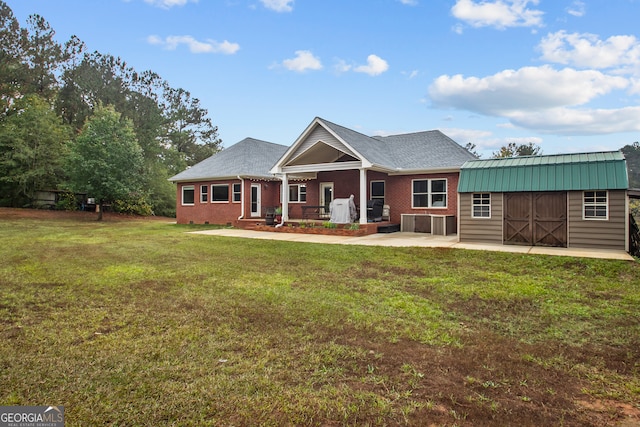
[
  {"x": 490, "y": 381},
  {"x": 16, "y": 213}
]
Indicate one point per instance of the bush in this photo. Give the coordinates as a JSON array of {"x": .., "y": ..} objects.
[
  {"x": 634, "y": 208},
  {"x": 67, "y": 201},
  {"x": 135, "y": 204}
]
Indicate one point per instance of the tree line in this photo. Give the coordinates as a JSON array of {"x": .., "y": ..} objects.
[{"x": 86, "y": 122}]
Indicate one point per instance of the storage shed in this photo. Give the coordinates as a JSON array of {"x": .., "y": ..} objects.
[{"x": 567, "y": 200}]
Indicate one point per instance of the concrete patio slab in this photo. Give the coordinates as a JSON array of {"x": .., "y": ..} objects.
[{"x": 403, "y": 239}]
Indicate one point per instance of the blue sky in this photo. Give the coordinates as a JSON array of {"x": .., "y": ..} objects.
[{"x": 564, "y": 74}]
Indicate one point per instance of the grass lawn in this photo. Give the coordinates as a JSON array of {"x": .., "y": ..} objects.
[{"x": 136, "y": 322}]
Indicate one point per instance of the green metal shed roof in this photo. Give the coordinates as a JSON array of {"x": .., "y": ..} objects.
[{"x": 562, "y": 172}]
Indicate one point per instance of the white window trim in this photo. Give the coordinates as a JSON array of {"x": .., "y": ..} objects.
[
  {"x": 204, "y": 187},
  {"x": 429, "y": 193},
  {"x": 219, "y": 201},
  {"x": 233, "y": 192},
  {"x": 473, "y": 205},
  {"x": 594, "y": 204},
  {"x": 188, "y": 187},
  {"x": 299, "y": 186}
]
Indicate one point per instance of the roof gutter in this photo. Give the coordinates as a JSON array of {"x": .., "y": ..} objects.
[{"x": 424, "y": 171}]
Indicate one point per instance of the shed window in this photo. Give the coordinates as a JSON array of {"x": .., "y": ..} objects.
[
  {"x": 481, "y": 207},
  {"x": 429, "y": 193},
  {"x": 596, "y": 205},
  {"x": 188, "y": 195},
  {"x": 220, "y": 193}
]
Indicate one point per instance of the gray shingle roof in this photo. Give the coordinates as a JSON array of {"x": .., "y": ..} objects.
[
  {"x": 247, "y": 158},
  {"x": 409, "y": 152},
  {"x": 371, "y": 149},
  {"x": 425, "y": 150}
]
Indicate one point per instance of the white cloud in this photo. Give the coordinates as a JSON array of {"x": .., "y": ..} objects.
[
  {"x": 567, "y": 121},
  {"x": 526, "y": 89},
  {"x": 577, "y": 8},
  {"x": 375, "y": 66},
  {"x": 498, "y": 13},
  {"x": 485, "y": 141},
  {"x": 341, "y": 66},
  {"x": 166, "y": 4},
  {"x": 540, "y": 98},
  {"x": 587, "y": 50},
  {"x": 195, "y": 46},
  {"x": 409, "y": 2},
  {"x": 411, "y": 74},
  {"x": 463, "y": 136},
  {"x": 278, "y": 5},
  {"x": 303, "y": 61}
]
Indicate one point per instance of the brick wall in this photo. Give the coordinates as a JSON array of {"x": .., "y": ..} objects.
[
  {"x": 223, "y": 212},
  {"x": 398, "y": 190},
  {"x": 398, "y": 195}
]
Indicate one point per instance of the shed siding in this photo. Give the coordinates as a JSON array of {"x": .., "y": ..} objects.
[
  {"x": 609, "y": 234},
  {"x": 482, "y": 230}
]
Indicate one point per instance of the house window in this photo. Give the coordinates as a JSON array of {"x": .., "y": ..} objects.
[
  {"x": 298, "y": 193},
  {"x": 481, "y": 206},
  {"x": 220, "y": 193},
  {"x": 596, "y": 205},
  {"x": 237, "y": 192},
  {"x": 377, "y": 190},
  {"x": 429, "y": 193},
  {"x": 204, "y": 193},
  {"x": 188, "y": 195}
]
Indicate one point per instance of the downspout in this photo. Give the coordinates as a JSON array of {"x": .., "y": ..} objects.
[
  {"x": 241, "y": 198},
  {"x": 284, "y": 193}
]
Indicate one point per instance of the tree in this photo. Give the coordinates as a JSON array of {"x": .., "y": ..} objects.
[
  {"x": 32, "y": 148},
  {"x": 471, "y": 147},
  {"x": 43, "y": 56},
  {"x": 13, "y": 70},
  {"x": 632, "y": 154},
  {"x": 105, "y": 160},
  {"x": 97, "y": 79},
  {"x": 189, "y": 130},
  {"x": 514, "y": 150}
]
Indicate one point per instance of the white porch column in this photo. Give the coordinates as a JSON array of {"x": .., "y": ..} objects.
[
  {"x": 285, "y": 197},
  {"x": 363, "y": 196}
]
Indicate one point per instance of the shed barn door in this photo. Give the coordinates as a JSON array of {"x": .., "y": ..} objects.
[
  {"x": 536, "y": 219},
  {"x": 517, "y": 219},
  {"x": 550, "y": 219}
]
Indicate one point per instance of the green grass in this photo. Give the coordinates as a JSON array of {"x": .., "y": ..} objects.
[{"x": 140, "y": 323}]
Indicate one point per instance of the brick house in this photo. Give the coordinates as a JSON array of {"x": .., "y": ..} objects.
[{"x": 414, "y": 175}]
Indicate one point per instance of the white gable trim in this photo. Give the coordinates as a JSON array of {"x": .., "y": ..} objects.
[
  {"x": 294, "y": 151},
  {"x": 323, "y": 167}
]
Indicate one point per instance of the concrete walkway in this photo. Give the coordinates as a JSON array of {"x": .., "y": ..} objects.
[{"x": 401, "y": 239}]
